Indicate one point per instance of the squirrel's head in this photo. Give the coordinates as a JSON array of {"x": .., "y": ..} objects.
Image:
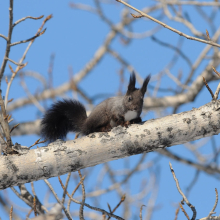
[{"x": 134, "y": 97}]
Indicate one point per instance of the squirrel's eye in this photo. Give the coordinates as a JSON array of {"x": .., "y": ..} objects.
[{"x": 129, "y": 99}]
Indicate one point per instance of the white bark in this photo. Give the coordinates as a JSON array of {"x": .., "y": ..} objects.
[{"x": 61, "y": 157}]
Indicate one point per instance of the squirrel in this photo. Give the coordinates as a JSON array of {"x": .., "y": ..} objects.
[{"x": 70, "y": 115}]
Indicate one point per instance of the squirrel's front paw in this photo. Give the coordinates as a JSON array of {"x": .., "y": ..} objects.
[
  {"x": 125, "y": 124},
  {"x": 136, "y": 120}
]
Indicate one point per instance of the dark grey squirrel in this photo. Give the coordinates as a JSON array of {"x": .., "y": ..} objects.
[{"x": 70, "y": 115}]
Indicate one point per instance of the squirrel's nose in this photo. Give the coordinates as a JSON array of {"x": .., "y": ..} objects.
[{"x": 135, "y": 108}]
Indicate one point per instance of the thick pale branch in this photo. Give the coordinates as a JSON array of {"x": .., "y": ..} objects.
[{"x": 61, "y": 157}]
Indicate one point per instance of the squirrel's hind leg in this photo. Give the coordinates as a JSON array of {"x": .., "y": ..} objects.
[{"x": 105, "y": 128}]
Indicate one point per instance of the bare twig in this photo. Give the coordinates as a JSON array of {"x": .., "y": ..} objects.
[
  {"x": 35, "y": 75},
  {"x": 103, "y": 216},
  {"x": 30, "y": 39},
  {"x": 24, "y": 55},
  {"x": 171, "y": 76},
  {"x": 168, "y": 27},
  {"x": 22, "y": 19},
  {"x": 29, "y": 197},
  {"x": 76, "y": 88},
  {"x": 27, "y": 201},
  {"x": 55, "y": 195},
  {"x": 18, "y": 64},
  {"x": 3, "y": 36},
  {"x": 214, "y": 207},
  {"x": 50, "y": 71},
  {"x": 176, "y": 213},
  {"x": 15, "y": 126},
  {"x": 208, "y": 169},
  {"x": 136, "y": 16},
  {"x": 8, "y": 118},
  {"x": 216, "y": 71},
  {"x": 109, "y": 208},
  {"x": 83, "y": 197},
  {"x": 193, "y": 182},
  {"x": 44, "y": 21},
  {"x": 120, "y": 202},
  {"x": 140, "y": 215},
  {"x": 145, "y": 34},
  {"x": 27, "y": 216},
  {"x": 84, "y": 7},
  {"x": 207, "y": 86},
  {"x": 182, "y": 194},
  {"x": 216, "y": 92},
  {"x": 197, "y": 3},
  {"x": 182, "y": 20},
  {"x": 183, "y": 210},
  {"x": 7, "y": 51},
  {"x": 118, "y": 184},
  {"x": 32, "y": 97},
  {"x": 37, "y": 142},
  {"x": 4, "y": 123},
  {"x": 201, "y": 57},
  {"x": 175, "y": 48},
  {"x": 34, "y": 204},
  {"x": 207, "y": 34},
  {"x": 66, "y": 185},
  {"x": 91, "y": 207},
  {"x": 11, "y": 211},
  {"x": 12, "y": 78},
  {"x": 32, "y": 188},
  {"x": 68, "y": 206}
]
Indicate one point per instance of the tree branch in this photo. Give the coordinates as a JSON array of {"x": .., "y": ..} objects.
[
  {"x": 3, "y": 36},
  {"x": 22, "y": 19},
  {"x": 8, "y": 46},
  {"x": 30, "y": 39},
  {"x": 168, "y": 27},
  {"x": 61, "y": 157},
  {"x": 174, "y": 2}
]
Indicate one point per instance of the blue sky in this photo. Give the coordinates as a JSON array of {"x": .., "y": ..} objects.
[{"x": 74, "y": 36}]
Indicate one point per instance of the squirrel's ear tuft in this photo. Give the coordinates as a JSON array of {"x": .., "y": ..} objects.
[
  {"x": 144, "y": 86},
  {"x": 131, "y": 85}
]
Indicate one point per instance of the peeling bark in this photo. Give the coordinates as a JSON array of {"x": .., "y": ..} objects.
[{"x": 61, "y": 157}]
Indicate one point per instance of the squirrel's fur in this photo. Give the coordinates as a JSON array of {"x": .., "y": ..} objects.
[{"x": 70, "y": 115}]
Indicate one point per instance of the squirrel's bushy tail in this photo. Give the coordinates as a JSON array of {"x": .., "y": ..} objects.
[{"x": 62, "y": 117}]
